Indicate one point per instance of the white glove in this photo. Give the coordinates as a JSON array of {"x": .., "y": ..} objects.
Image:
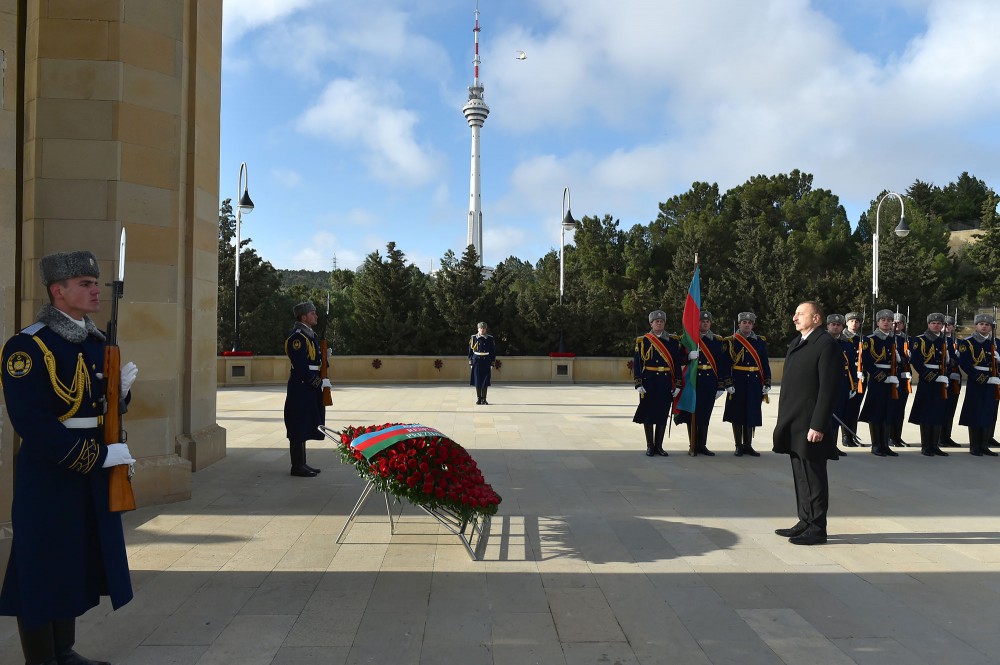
[
  {"x": 941, "y": 379},
  {"x": 765, "y": 390},
  {"x": 326, "y": 384},
  {"x": 907, "y": 376},
  {"x": 852, "y": 394},
  {"x": 676, "y": 392},
  {"x": 128, "y": 374},
  {"x": 693, "y": 355},
  {"x": 642, "y": 391},
  {"x": 891, "y": 379},
  {"x": 719, "y": 394},
  {"x": 861, "y": 376},
  {"x": 329, "y": 353},
  {"x": 118, "y": 454},
  {"x": 996, "y": 355},
  {"x": 955, "y": 376},
  {"x": 993, "y": 381},
  {"x": 731, "y": 390}
]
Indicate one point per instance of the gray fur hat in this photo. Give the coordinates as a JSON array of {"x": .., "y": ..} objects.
[
  {"x": 482, "y": 324},
  {"x": 836, "y": 318},
  {"x": 935, "y": 316},
  {"x": 66, "y": 265},
  {"x": 899, "y": 317},
  {"x": 949, "y": 320},
  {"x": 884, "y": 314},
  {"x": 706, "y": 315},
  {"x": 984, "y": 318},
  {"x": 302, "y": 309},
  {"x": 657, "y": 314},
  {"x": 747, "y": 316},
  {"x": 858, "y": 316}
]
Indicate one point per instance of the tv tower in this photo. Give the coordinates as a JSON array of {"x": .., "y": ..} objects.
[{"x": 475, "y": 111}]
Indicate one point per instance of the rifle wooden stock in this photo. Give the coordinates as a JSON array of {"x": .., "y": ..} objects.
[
  {"x": 324, "y": 370},
  {"x": 861, "y": 381},
  {"x": 893, "y": 388},
  {"x": 120, "y": 496}
]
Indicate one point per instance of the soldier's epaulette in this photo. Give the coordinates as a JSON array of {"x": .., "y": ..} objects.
[
  {"x": 761, "y": 338},
  {"x": 33, "y": 328}
]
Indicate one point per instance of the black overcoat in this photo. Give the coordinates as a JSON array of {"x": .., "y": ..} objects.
[{"x": 810, "y": 384}]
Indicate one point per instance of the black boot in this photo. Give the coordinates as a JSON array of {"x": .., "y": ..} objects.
[
  {"x": 64, "y": 637},
  {"x": 847, "y": 439},
  {"x": 650, "y": 446},
  {"x": 702, "y": 436},
  {"x": 984, "y": 446},
  {"x": 976, "y": 442},
  {"x": 886, "y": 429},
  {"x": 875, "y": 430},
  {"x": 738, "y": 435},
  {"x": 661, "y": 430},
  {"x": 926, "y": 447},
  {"x": 479, "y": 395},
  {"x": 936, "y": 440},
  {"x": 748, "y": 442},
  {"x": 485, "y": 388},
  {"x": 38, "y": 644},
  {"x": 297, "y": 451}
]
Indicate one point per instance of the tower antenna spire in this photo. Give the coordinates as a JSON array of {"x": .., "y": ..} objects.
[{"x": 475, "y": 111}]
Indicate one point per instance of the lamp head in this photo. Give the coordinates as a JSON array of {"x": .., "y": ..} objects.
[
  {"x": 245, "y": 205},
  {"x": 903, "y": 229},
  {"x": 568, "y": 222}
]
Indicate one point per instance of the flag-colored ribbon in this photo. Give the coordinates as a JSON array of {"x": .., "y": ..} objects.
[
  {"x": 686, "y": 401},
  {"x": 372, "y": 443}
]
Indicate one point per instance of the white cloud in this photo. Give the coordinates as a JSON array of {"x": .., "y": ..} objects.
[
  {"x": 364, "y": 114},
  {"x": 287, "y": 177},
  {"x": 242, "y": 16}
]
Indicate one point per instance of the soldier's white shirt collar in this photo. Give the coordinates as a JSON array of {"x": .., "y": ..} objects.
[{"x": 82, "y": 323}]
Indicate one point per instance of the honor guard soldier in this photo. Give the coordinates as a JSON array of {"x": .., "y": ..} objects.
[
  {"x": 854, "y": 335},
  {"x": 955, "y": 376},
  {"x": 482, "y": 354},
  {"x": 835, "y": 324},
  {"x": 897, "y": 408},
  {"x": 713, "y": 379},
  {"x": 67, "y": 548},
  {"x": 978, "y": 356},
  {"x": 929, "y": 358},
  {"x": 656, "y": 369},
  {"x": 751, "y": 382},
  {"x": 304, "y": 410},
  {"x": 880, "y": 362}
]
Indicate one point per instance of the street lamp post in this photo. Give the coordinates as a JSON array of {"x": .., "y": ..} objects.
[
  {"x": 902, "y": 230},
  {"x": 567, "y": 222},
  {"x": 245, "y": 206}
]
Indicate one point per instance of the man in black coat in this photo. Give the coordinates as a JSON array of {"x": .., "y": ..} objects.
[
  {"x": 304, "y": 410},
  {"x": 810, "y": 387}
]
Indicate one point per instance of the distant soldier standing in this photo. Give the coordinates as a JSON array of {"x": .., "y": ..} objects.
[
  {"x": 879, "y": 380},
  {"x": 304, "y": 410},
  {"x": 955, "y": 377},
  {"x": 979, "y": 359},
  {"x": 751, "y": 383},
  {"x": 897, "y": 407},
  {"x": 656, "y": 369},
  {"x": 835, "y": 327},
  {"x": 929, "y": 357},
  {"x": 482, "y": 354},
  {"x": 713, "y": 379},
  {"x": 854, "y": 335}
]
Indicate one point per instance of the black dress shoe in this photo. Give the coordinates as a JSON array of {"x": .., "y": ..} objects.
[
  {"x": 808, "y": 539},
  {"x": 485, "y": 402},
  {"x": 938, "y": 452},
  {"x": 841, "y": 452},
  {"x": 70, "y": 657},
  {"x": 650, "y": 452},
  {"x": 927, "y": 453},
  {"x": 796, "y": 530},
  {"x": 750, "y": 451},
  {"x": 977, "y": 453},
  {"x": 850, "y": 443},
  {"x": 878, "y": 451},
  {"x": 312, "y": 468},
  {"x": 303, "y": 472},
  {"x": 739, "y": 451},
  {"x": 988, "y": 452},
  {"x": 479, "y": 401},
  {"x": 661, "y": 452},
  {"x": 706, "y": 452},
  {"x": 890, "y": 452},
  {"x": 949, "y": 443}
]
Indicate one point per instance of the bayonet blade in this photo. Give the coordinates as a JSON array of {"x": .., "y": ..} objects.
[{"x": 121, "y": 257}]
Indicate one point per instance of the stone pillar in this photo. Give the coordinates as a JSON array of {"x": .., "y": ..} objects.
[{"x": 120, "y": 107}]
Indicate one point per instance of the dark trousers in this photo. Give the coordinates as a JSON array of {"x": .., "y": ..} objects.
[{"x": 812, "y": 493}]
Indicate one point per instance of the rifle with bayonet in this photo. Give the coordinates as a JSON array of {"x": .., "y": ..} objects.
[
  {"x": 894, "y": 388},
  {"x": 120, "y": 495},
  {"x": 993, "y": 367},
  {"x": 324, "y": 364}
]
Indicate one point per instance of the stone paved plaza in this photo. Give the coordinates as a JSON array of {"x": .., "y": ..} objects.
[{"x": 597, "y": 555}]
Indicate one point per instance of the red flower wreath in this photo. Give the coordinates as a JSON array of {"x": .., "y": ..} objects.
[{"x": 431, "y": 471}]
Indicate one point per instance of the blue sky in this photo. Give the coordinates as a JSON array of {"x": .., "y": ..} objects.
[{"x": 348, "y": 113}]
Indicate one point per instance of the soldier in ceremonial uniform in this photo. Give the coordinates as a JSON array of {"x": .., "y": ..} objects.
[
  {"x": 955, "y": 377},
  {"x": 304, "y": 410},
  {"x": 713, "y": 379},
  {"x": 656, "y": 369},
  {"x": 751, "y": 382},
  {"x": 897, "y": 408},
  {"x": 978, "y": 356},
  {"x": 854, "y": 335},
  {"x": 68, "y": 548},
  {"x": 930, "y": 359},
  {"x": 835, "y": 326},
  {"x": 881, "y": 375},
  {"x": 482, "y": 354}
]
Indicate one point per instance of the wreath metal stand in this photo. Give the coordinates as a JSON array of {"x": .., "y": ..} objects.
[{"x": 473, "y": 533}]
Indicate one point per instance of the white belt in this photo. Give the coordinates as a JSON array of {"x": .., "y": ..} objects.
[
  {"x": 883, "y": 366},
  {"x": 982, "y": 369},
  {"x": 929, "y": 366},
  {"x": 481, "y": 354},
  {"x": 82, "y": 423},
  {"x": 314, "y": 368}
]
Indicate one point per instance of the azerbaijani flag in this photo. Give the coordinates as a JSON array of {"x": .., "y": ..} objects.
[
  {"x": 372, "y": 443},
  {"x": 689, "y": 340}
]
